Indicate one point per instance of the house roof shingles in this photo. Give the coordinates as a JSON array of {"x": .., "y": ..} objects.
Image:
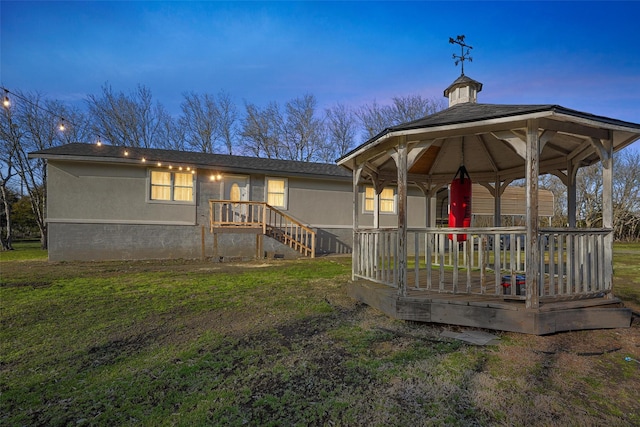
[{"x": 218, "y": 162}]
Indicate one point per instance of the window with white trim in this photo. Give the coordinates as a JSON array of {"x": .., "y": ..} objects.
[
  {"x": 171, "y": 186},
  {"x": 276, "y": 192},
  {"x": 387, "y": 200}
]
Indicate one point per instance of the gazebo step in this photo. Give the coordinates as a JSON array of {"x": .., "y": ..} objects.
[{"x": 493, "y": 312}]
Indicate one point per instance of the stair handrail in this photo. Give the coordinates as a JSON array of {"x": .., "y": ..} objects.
[
  {"x": 265, "y": 221},
  {"x": 305, "y": 249}
]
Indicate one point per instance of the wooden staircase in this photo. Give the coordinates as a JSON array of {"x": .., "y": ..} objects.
[{"x": 273, "y": 222}]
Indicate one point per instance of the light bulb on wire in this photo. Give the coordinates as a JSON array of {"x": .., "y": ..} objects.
[
  {"x": 6, "y": 102},
  {"x": 61, "y": 126}
]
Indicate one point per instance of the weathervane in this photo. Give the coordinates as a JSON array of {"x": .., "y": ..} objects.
[{"x": 464, "y": 56}]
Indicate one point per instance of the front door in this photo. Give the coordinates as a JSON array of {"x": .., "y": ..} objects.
[{"x": 236, "y": 189}]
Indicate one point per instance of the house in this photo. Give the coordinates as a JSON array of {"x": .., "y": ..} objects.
[
  {"x": 115, "y": 203},
  {"x": 108, "y": 202},
  {"x": 552, "y": 279}
]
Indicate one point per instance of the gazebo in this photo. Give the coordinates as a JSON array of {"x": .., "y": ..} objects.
[{"x": 529, "y": 279}]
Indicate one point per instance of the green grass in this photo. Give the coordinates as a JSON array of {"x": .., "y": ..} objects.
[
  {"x": 626, "y": 272},
  {"x": 24, "y": 251},
  {"x": 196, "y": 343}
]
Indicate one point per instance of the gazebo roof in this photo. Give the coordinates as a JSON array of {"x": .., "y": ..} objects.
[{"x": 490, "y": 139}]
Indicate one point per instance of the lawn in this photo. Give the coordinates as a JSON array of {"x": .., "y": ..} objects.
[{"x": 279, "y": 343}]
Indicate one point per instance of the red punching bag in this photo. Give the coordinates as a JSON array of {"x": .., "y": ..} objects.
[{"x": 460, "y": 203}]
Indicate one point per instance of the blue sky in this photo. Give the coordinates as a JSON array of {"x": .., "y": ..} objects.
[{"x": 581, "y": 55}]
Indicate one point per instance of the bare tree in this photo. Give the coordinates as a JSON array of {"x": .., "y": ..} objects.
[
  {"x": 131, "y": 120},
  {"x": 33, "y": 124},
  {"x": 342, "y": 128},
  {"x": 228, "y": 121},
  {"x": 374, "y": 118},
  {"x": 293, "y": 134},
  {"x": 412, "y": 107},
  {"x": 200, "y": 121},
  {"x": 262, "y": 131},
  {"x": 626, "y": 195},
  {"x": 303, "y": 130},
  {"x": 209, "y": 122},
  {"x": 171, "y": 134},
  {"x": 9, "y": 136}
]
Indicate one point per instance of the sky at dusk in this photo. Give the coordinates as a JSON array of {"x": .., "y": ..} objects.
[{"x": 581, "y": 55}]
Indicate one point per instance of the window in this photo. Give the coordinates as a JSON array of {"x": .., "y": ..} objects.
[
  {"x": 171, "y": 186},
  {"x": 387, "y": 200},
  {"x": 277, "y": 192}
]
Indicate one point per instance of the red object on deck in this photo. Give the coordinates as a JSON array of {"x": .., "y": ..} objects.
[{"x": 460, "y": 203}]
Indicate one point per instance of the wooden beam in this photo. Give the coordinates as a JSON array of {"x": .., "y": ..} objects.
[
  {"x": 514, "y": 141},
  {"x": 417, "y": 150},
  {"x": 607, "y": 210},
  {"x": 581, "y": 151},
  {"x": 574, "y": 129},
  {"x": 356, "y": 243},
  {"x": 600, "y": 149},
  {"x": 561, "y": 175},
  {"x": 483, "y": 144},
  {"x": 546, "y": 136},
  {"x": 533, "y": 254},
  {"x": 401, "y": 163}
]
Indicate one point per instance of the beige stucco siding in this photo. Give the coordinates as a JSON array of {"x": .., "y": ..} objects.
[
  {"x": 93, "y": 192},
  {"x": 416, "y": 208},
  {"x": 320, "y": 203}
]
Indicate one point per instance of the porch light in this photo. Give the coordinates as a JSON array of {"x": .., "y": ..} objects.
[
  {"x": 144, "y": 160},
  {"x": 159, "y": 164}
]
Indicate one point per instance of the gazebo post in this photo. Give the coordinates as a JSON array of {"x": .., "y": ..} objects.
[
  {"x": 533, "y": 254},
  {"x": 355, "y": 253},
  {"x": 572, "y": 171},
  {"x": 497, "y": 197},
  {"x": 401, "y": 163},
  {"x": 607, "y": 211}
]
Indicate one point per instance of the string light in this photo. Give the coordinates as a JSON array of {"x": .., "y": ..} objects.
[
  {"x": 99, "y": 142},
  {"x": 126, "y": 153},
  {"x": 6, "y": 102}
]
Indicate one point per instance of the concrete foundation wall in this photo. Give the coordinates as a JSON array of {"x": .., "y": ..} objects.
[
  {"x": 89, "y": 242},
  {"x": 98, "y": 242}
]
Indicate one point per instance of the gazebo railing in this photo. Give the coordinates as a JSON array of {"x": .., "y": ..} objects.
[{"x": 486, "y": 261}]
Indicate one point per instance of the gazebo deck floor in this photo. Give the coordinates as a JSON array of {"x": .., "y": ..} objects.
[{"x": 490, "y": 310}]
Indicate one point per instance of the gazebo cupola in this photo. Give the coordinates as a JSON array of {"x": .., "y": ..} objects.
[{"x": 463, "y": 89}]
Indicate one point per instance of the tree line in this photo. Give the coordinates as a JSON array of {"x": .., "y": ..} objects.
[
  {"x": 208, "y": 123},
  {"x": 213, "y": 123}
]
